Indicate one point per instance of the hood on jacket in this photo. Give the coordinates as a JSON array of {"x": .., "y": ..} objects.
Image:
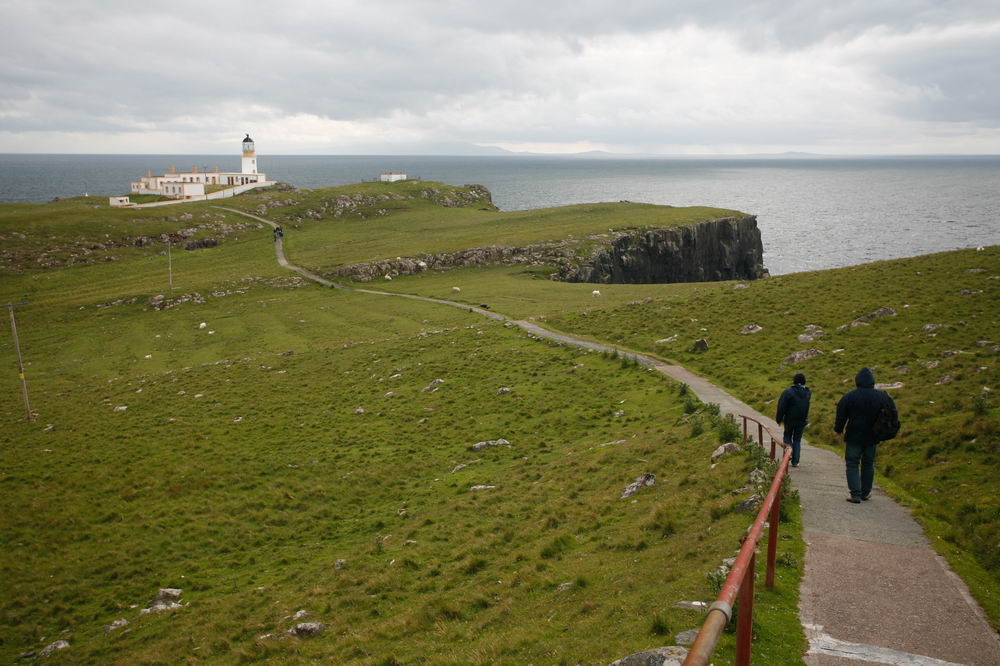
[{"x": 865, "y": 378}]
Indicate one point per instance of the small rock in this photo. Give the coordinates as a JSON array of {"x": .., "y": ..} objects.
[
  {"x": 692, "y": 605},
  {"x": 758, "y": 478},
  {"x": 931, "y": 327},
  {"x": 646, "y": 479},
  {"x": 803, "y": 355},
  {"x": 903, "y": 369},
  {"x": 969, "y": 292},
  {"x": 750, "y": 329},
  {"x": 503, "y": 390},
  {"x": 563, "y": 587},
  {"x": 479, "y": 446},
  {"x": 430, "y": 388},
  {"x": 878, "y": 314},
  {"x": 620, "y": 413},
  {"x": 724, "y": 450},
  {"x": 950, "y": 353},
  {"x": 673, "y": 655},
  {"x": 983, "y": 343},
  {"x": 300, "y": 614},
  {"x": 686, "y": 637},
  {"x": 121, "y": 408},
  {"x": 893, "y": 385},
  {"x": 809, "y": 337},
  {"x": 662, "y": 341},
  {"x": 932, "y": 364},
  {"x": 359, "y": 410},
  {"x": 339, "y": 564},
  {"x": 482, "y": 487},
  {"x": 739, "y": 286},
  {"x": 306, "y": 629},
  {"x": 117, "y": 624},
  {"x": 947, "y": 379},
  {"x": 749, "y": 504},
  {"x": 700, "y": 345},
  {"x": 53, "y": 647}
]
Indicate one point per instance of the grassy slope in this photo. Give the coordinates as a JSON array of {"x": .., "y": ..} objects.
[
  {"x": 241, "y": 473},
  {"x": 944, "y": 464}
]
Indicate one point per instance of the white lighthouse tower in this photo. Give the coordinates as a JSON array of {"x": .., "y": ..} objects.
[{"x": 249, "y": 156}]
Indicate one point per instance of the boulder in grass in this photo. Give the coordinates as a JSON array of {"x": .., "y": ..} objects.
[
  {"x": 646, "y": 479},
  {"x": 307, "y": 629},
  {"x": 750, "y": 329},
  {"x": 479, "y": 446},
  {"x": 53, "y": 647},
  {"x": 700, "y": 345},
  {"x": 802, "y": 355},
  {"x": 673, "y": 655},
  {"x": 725, "y": 450}
]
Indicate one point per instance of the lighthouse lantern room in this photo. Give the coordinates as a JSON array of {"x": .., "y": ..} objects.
[{"x": 249, "y": 156}]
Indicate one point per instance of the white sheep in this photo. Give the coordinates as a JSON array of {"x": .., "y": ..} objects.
[
  {"x": 456, "y": 289},
  {"x": 596, "y": 292}
]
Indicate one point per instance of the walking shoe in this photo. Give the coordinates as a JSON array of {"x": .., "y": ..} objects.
[
  {"x": 867, "y": 497},
  {"x": 853, "y": 500}
]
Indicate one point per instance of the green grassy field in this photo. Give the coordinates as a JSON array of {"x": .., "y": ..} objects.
[{"x": 286, "y": 456}]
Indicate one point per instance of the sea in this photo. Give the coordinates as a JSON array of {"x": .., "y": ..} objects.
[{"x": 813, "y": 213}]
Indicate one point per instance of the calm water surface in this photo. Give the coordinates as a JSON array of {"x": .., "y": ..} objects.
[{"x": 813, "y": 213}]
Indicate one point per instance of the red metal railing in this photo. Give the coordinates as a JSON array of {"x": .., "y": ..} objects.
[{"x": 739, "y": 583}]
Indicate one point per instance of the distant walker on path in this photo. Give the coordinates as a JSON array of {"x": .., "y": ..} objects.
[
  {"x": 793, "y": 411},
  {"x": 858, "y": 410}
]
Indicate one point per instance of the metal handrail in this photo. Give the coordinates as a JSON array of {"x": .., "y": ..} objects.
[{"x": 740, "y": 581}]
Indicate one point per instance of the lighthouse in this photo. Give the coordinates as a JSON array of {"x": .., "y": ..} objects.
[{"x": 249, "y": 156}]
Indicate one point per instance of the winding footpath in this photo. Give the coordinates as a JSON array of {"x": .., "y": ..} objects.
[{"x": 874, "y": 591}]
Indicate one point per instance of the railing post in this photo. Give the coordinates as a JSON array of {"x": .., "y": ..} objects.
[
  {"x": 743, "y": 416},
  {"x": 772, "y": 539},
  {"x": 760, "y": 434},
  {"x": 744, "y": 617},
  {"x": 774, "y": 445}
]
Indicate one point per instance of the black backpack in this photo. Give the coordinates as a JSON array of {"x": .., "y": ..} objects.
[{"x": 886, "y": 424}]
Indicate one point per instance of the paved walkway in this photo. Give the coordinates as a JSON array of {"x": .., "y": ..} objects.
[{"x": 874, "y": 592}]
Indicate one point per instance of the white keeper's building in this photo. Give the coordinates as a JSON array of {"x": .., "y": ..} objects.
[{"x": 192, "y": 184}]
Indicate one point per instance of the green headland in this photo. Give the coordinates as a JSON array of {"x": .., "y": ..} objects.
[{"x": 269, "y": 446}]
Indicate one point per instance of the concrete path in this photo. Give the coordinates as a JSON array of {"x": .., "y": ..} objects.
[{"x": 874, "y": 592}]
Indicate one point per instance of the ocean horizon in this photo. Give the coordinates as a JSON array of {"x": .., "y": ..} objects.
[{"x": 814, "y": 212}]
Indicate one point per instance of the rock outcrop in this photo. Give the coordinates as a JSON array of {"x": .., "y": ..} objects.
[{"x": 725, "y": 249}]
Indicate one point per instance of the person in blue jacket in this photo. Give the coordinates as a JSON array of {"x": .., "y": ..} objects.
[
  {"x": 793, "y": 411},
  {"x": 858, "y": 410}
]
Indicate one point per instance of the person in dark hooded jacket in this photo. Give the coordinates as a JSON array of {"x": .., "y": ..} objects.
[
  {"x": 858, "y": 410},
  {"x": 793, "y": 411}
]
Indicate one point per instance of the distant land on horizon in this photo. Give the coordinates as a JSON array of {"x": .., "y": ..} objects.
[{"x": 472, "y": 150}]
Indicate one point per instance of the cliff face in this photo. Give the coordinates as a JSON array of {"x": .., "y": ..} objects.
[{"x": 726, "y": 249}]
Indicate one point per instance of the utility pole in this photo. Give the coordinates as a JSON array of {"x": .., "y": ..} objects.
[
  {"x": 20, "y": 363},
  {"x": 170, "y": 263}
]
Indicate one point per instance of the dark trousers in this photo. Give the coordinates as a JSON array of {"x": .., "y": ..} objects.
[
  {"x": 793, "y": 436},
  {"x": 863, "y": 456}
]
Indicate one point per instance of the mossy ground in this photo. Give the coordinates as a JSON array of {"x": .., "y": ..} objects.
[{"x": 242, "y": 471}]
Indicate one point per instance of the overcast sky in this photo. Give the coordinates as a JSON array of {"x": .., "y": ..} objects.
[{"x": 421, "y": 76}]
